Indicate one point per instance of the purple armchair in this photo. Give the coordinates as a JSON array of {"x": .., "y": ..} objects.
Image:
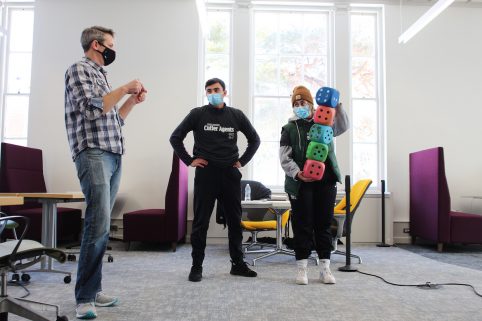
[
  {"x": 22, "y": 172},
  {"x": 162, "y": 225},
  {"x": 430, "y": 215}
]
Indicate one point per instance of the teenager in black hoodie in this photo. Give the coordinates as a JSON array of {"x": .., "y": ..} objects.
[{"x": 217, "y": 161}]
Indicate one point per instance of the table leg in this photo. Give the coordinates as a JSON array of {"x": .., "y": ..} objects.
[
  {"x": 49, "y": 237},
  {"x": 279, "y": 241}
]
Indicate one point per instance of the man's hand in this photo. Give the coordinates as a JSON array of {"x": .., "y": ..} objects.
[
  {"x": 140, "y": 97},
  {"x": 237, "y": 165},
  {"x": 133, "y": 87},
  {"x": 303, "y": 178},
  {"x": 199, "y": 162}
]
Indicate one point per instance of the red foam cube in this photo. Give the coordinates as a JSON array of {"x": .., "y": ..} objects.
[
  {"x": 324, "y": 115},
  {"x": 313, "y": 169}
]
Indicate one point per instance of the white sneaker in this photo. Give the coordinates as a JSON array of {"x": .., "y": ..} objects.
[
  {"x": 86, "y": 311},
  {"x": 104, "y": 300},
  {"x": 302, "y": 276},
  {"x": 326, "y": 276}
]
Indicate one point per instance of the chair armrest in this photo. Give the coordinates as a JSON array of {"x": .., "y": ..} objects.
[
  {"x": 17, "y": 250},
  {"x": 27, "y": 250}
]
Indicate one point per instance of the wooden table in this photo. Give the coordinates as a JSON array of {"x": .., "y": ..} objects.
[{"x": 11, "y": 200}]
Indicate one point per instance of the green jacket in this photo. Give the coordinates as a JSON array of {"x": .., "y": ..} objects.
[{"x": 297, "y": 132}]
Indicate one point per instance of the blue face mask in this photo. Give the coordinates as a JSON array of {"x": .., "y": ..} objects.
[
  {"x": 302, "y": 112},
  {"x": 215, "y": 99}
]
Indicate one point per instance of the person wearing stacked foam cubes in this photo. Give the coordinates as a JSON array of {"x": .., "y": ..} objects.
[{"x": 312, "y": 196}]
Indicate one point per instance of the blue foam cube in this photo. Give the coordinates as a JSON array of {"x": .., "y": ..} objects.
[
  {"x": 326, "y": 96},
  {"x": 321, "y": 134}
]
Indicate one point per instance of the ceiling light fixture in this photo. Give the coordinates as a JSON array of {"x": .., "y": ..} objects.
[{"x": 424, "y": 20}]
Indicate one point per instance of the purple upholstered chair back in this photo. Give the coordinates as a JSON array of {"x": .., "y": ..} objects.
[
  {"x": 176, "y": 196},
  {"x": 21, "y": 172},
  {"x": 429, "y": 196}
]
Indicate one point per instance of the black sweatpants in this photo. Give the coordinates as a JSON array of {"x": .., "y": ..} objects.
[
  {"x": 312, "y": 211},
  {"x": 223, "y": 184}
]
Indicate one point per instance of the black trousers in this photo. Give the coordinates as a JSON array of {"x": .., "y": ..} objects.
[
  {"x": 312, "y": 211},
  {"x": 211, "y": 184}
]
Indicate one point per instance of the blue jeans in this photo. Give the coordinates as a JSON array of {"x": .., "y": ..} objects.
[{"x": 99, "y": 173}]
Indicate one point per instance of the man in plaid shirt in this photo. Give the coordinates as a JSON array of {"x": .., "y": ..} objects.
[{"x": 94, "y": 129}]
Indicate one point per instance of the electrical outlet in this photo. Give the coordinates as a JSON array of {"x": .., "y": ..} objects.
[{"x": 406, "y": 230}]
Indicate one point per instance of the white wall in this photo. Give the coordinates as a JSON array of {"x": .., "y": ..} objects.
[
  {"x": 434, "y": 89},
  {"x": 434, "y": 95},
  {"x": 157, "y": 42}
]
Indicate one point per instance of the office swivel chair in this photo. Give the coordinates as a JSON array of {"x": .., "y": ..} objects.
[
  {"x": 259, "y": 226},
  {"x": 17, "y": 255},
  {"x": 254, "y": 220},
  {"x": 358, "y": 190}
]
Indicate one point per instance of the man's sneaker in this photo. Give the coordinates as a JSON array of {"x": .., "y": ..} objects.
[
  {"x": 104, "y": 300},
  {"x": 242, "y": 269},
  {"x": 325, "y": 274},
  {"x": 86, "y": 311},
  {"x": 196, "y": 273}
]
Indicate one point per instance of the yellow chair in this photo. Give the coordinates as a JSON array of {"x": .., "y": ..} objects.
[
  {"x": 357, "y": 192},
  {"x": 259, "y": 226}
]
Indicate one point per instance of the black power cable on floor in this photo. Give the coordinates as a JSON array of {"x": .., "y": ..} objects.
[
  {"x": 427, "y": 285},
  {"x": 22, "y": 284}
]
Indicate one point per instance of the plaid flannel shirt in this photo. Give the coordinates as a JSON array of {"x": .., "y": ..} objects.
[{"x": 85, "y": 85}]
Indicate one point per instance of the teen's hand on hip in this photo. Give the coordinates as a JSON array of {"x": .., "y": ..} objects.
[
  {"x": 199, "y": 162},
  {"x": 237, "y": 165}
]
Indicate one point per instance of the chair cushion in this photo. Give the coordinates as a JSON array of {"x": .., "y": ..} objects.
[
  {"x": 144, "y": 225},
  {"x": 259, "y": 225},
  {"x": 144, "y": 213},
  {"x": 465, "y": 228}
]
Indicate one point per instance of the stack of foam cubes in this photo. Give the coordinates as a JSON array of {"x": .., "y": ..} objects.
[{"x": 321, "y": 133}]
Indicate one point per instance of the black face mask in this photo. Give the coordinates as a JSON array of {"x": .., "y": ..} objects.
[{"x": 108, "y": 55}]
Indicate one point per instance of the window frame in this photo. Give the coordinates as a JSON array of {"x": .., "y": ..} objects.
[
  {"x": 210, "y": 7},
  {"x": 287, "y": 8},
  {"x": 5, "y": 24},
  {"x": 380, "y": 87},
  {"x": 337, "y": 76}
]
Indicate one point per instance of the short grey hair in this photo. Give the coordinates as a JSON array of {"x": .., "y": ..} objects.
[{"x": 94, "y": 33}]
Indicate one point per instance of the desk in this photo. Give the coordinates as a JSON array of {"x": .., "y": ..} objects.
[
  {"x": 279, "y": 207},
  {"x": 49, "y": 220},
  {"x": 11, "y": 200}
]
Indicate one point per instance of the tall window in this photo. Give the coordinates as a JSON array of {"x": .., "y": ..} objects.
[
  {"x": 366, "y": 98},
  {"x": 217, "y": 52},
  {"x": 17, "y": 26},
  {"x": 298, "y": 44},
  {"x": 290, "y": 49}
]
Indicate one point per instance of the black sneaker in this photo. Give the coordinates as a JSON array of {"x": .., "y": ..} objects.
[
  {"x": 242, "y": 269},
  {"x": 196, "y": 273}
]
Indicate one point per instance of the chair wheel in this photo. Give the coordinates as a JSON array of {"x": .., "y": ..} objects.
[
  {"x": 25, "y": 277},
  {"x": 71, "y": 258},
  {"x": 110, "y": 259},
  {"x": 67, "y": 279},
  {"x": 62, "y": 318},
  {"x": 15, "y": 277}
]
